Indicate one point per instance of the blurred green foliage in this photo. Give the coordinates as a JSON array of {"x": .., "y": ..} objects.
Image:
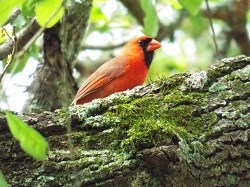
[
  {"x": 6, "y": 8},
  {"x": 150, "y": 21},
  {"x": 192, "y": 7},
  {"x": 47, "y": 12}
]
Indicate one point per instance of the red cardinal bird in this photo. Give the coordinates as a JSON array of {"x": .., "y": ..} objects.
[{"x": 120, "y": 73}]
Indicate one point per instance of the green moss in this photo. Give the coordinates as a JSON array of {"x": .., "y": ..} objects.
[
  {"x": 178, "y": 97},
  {"x": 63, "y": 115},
  {"x": 140, "y": 122},
  {"x": 211, "y": 118},
  {"x": 148, "y": 121},
  {"x": 230, "y": 77},
  {"x": 228, "y": 180}
]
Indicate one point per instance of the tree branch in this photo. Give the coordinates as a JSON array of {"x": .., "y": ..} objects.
[
  {"x": 12, "y": 55},
  {"x": 14, "y": 15},
  {"x": 186, "y": 129},
  {"x": 23, "y": 36},
  {"x": 238, "y": 20},
  {"x": 107, "y": 47},
  {"x": 234, "y": 13}
]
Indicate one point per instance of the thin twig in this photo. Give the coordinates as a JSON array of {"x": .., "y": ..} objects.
[
  {"x": 12, "y": 55},
  {"x": 212, "y": 28},
  {"x": 108, "y": 47}
]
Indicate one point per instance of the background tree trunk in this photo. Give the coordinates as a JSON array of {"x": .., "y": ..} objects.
[
  {"x": 189, "y": 129},
  {"x": 53, "y": 86}
]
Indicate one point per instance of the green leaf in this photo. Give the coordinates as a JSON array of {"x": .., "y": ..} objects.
[
  {"x": 3, "y": 34},
  {"x": 34, "y": 51},
  {"x": 175, "y": 4},
  {"x": 150, "y": 21},
  {"x": 6, "y": 7},
  {"x": 21, "y": 63},
  {"x": 30, "y": 140},
  {"x": 4, "y": 15},
  {"x": 194, "y": 25},
  {"x": 28, "y": 8},
  {"x": 3, "y": 182},
  {"x": 98, "y": 18},
  {"x": 192, "y": 7},
  {"x": 97, "y": 15},
  {"x": 49, "y": 12}
]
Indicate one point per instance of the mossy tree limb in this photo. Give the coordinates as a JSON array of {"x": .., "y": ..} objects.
[{"x": 188, "y": 129}]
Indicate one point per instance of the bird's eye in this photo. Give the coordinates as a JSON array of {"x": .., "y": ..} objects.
[{"x": 144, "y": 43}]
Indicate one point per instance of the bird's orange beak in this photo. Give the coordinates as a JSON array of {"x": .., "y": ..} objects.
[{"x": 153, "y": 45}]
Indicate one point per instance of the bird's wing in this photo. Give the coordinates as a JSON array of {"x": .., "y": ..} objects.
[{"x": 102, "y": 76}]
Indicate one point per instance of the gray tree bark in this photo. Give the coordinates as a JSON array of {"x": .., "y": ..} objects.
[{"x": 186, "y": 130}]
